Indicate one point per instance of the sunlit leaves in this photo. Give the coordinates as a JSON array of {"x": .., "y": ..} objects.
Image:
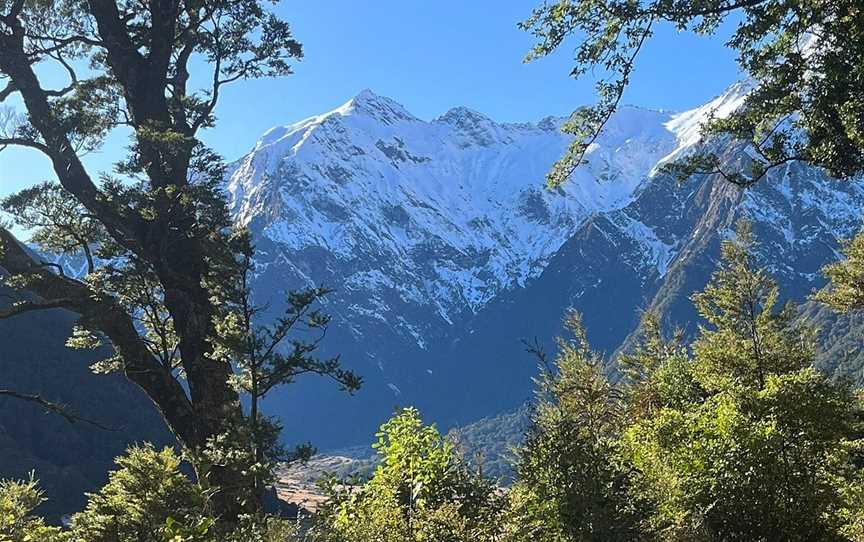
[
  {"x": 612, "y": 34},
  {"x": 570, "y": 484},
  {"x": 733, "y": 436},
  {"x": 846, "y": 290},
  {"x": 57, "y": 222},
  {"x": 147, "y": 489},
  {"x": 759, "y": 433},
  {"x": 421, "y": 490},
  {"x": 18, "y": 499}
]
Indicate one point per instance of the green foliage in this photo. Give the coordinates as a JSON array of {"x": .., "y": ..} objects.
[
  {"x": 265, "y": 357},
  {"x": 257, "y": 349},
  {"x": 658, "y": 373},
  {"x": 747, "y": 339},
  {"x": 846, "y": 278},
  {"x": 805, "y": 56},
  {"x": 198, "y": 531},
  {"x": 571, "y": 484},
  {"x": 148, "y": 499},
  {"x": 57, "y": 222},
  {"x": 161, "y": 249},
  {"x": 754, "y": 444},
  {"x": 257, "y": 357},
  {"x": 18, "y": 498},
  {"x": 490, "y": 444},
  {"x": 609, "y": 44},
  {"x": 853, "y": 528},
  {"x": 420, "y": 491},
  {"x": 734, "y": 437},
  {"x": 266, "y": 529},
  {"x": 752, "y": 465}
]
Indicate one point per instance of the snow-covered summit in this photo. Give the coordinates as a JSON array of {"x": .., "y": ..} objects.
[
  {"x": 410, "y": 216},
  {"x": 452, "y": 210},
  {"x": 379, "y": 107}
]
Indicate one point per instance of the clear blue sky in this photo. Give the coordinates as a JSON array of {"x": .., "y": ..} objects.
[{"x": 429, "y": 55}]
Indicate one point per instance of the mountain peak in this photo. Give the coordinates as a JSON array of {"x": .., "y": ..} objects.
[
  {"x": 382, "y": 108},
  {"x": 368, "y": 95},
  {"x": 462, "y": 116}
]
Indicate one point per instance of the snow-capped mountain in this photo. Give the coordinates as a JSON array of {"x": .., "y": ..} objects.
[
  {"x": 443, "y": 214},
  {"x": 446, "y": 249}
]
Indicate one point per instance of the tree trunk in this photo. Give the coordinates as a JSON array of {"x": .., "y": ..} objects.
[{"x": 167, "y": 243}]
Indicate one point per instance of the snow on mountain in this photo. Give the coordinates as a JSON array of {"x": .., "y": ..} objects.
[
  {"x": 446, "y": 249},
  {"x": 687, "y": 126},
  {"x": 444, "y": 213}
]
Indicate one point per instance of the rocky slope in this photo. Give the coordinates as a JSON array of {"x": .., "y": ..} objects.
[{"x": 412, "y": 214}]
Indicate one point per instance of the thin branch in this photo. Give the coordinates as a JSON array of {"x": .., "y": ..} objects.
[
  {"x": 743, "y": 181},
  {"x": 24, "y": 142},
  {"x": 73, "y": 78},
  {"x": 714, "y": 10},
  {"x": 214, "y": 91},
  {"x": 108, "y": 315},
  {"x": 758, "y": 146},
  {"x": 625, "y": 76},
  {"x": 56, "y": 408},
  {"x": 7, "y": 91},
  {"x": 534, "y": 348},
  {"x": 56, "y": 266},
  {"x": 60, "y": 43}
]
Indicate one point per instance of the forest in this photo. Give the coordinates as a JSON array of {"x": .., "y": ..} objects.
[{"x": 708, "y": 388}]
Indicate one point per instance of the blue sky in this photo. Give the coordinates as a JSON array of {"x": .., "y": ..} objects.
[{"x": 429, "y": 55}]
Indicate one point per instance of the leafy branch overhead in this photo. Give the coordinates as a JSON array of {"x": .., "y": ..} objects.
[{"x": 805, "y": 59}]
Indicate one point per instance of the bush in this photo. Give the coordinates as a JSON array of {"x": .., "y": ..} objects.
[
  {"x": 421, "y": 491},
  {"x": 571, "y": 483},
  {"x": 147, "y": 499},
  {"x": 18, "y": 499}
]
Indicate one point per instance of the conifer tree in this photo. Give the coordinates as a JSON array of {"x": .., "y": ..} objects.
[
  {"x": 749, "y": 442},
  {"x": 266, "y": 357},
  {"x": 571, "y": 485},
  {"x": 18, "y": 499},
  {"x": 146, "y": 498}
]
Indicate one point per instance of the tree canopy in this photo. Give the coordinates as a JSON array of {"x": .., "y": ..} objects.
[
  {"x": 734, "y": 436},
  {"x": 163, "y": 258}
]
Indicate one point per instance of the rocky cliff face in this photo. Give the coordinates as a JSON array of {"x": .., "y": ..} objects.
[{"x": 446, "y": 250}]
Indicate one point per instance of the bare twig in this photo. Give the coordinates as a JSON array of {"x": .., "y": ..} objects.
[{"x": 56, "y": 408}]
